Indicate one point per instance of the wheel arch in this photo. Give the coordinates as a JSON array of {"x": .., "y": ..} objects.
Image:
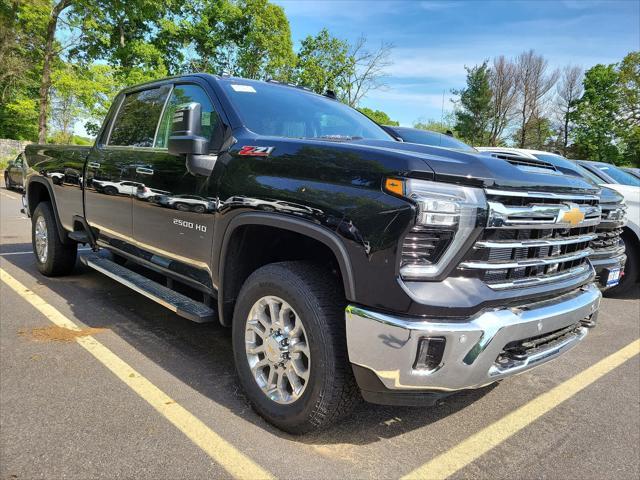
[
  {"x": 39, "y": 190},
  {"x": 227, "y": 291}
]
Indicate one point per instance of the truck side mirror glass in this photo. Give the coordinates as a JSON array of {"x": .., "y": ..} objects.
[{"x": 186, "y": 131}]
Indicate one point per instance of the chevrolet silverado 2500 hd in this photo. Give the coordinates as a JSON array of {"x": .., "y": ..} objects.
[{"x": 343, "y": 261}]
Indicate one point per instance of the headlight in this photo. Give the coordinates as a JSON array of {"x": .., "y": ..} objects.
[{"x": 447, "y": 214}]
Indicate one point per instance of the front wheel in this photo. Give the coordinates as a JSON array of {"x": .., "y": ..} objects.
[
  {"x": 53, "y": 258},
  {"x": 290, "y": 347}
]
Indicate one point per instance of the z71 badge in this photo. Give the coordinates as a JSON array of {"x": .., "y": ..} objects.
[{"x": 255, "y": 151}]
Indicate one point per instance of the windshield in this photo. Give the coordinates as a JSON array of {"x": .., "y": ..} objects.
[
  {"x": 435, "y": 139},
  {"x": 620, "y": 176},
  {"x": 592, "y": 176},
  {"x": 283, "y": 111}
]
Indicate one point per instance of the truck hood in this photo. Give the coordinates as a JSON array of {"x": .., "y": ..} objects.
[{"x": 457, "y": 166}]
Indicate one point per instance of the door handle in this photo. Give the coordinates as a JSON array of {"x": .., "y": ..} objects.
[{"x": 144, "y": 171}]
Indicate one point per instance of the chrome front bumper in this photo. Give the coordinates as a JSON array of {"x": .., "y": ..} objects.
[{"x": 388, "y": 345}]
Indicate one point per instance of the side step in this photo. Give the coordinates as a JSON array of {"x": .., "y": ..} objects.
[
  {"x": 80, "y": 237},
  {"x": 181, "y": 304}
]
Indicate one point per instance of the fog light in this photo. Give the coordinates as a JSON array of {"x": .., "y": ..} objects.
[{"x": 430, "y": 352}]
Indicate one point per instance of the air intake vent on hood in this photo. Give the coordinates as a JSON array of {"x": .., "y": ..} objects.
[{"x": 525, "y": 163}]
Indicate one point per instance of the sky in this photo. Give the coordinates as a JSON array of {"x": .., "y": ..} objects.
[{"x": 434, "y": 40}]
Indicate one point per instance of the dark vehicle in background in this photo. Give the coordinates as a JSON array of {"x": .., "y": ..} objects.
[
  {"x": 427, "y": 137},
  {"x": 343, "y": 261},
  {"x": 616, "y": 265},
  {"x": 15, "y": 173}
]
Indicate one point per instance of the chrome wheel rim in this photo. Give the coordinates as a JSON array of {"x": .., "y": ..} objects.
[
  {"x": 42, "y": 244},
  {"x": 277, "y": 350}
]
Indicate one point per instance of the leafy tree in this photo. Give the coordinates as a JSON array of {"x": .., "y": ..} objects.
[
  {"x": 49, "y": 56},
  {"x": 474, "y": 112},
  {"x": 80, "y": 92},
  {"x": 19, "y": 75},
  {"x": 596, "y": 115},
  {"x": 446, "y": 125},
  {"x": 629, "y": 128},
  {"x": 378, "y": 116},
  {"x": 323, "y": 62},
  {"x": 539, "y": 133},
  {"x": 246, "y": 38}
]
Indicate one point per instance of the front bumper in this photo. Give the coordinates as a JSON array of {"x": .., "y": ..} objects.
[{"x": 387, "y": 346}]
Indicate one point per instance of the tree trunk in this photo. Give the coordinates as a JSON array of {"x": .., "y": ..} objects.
[
  {"x": 45, "y": 84},
  {"x": 566, "y": 133}
]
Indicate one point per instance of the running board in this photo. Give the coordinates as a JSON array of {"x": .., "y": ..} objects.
[{"x": 180, "y": 304}]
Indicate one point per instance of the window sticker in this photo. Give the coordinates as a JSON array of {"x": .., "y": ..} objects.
[{"x": 243, "y": 88}]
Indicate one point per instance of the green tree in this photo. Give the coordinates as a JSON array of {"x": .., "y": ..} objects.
[
  {"x": 629, "y": 128},
  {"x": 323, "y": 62},
  {"x": 474, "y": 112},
  {"x": 378, "y": 116},
  {"x": 538, "y": 133},
  {"x": 246, "y": 38},
  {"x": 80, "y": 93},
  {"x": 596, "y": 115},
  {"x": 20, "y": 72},
  {"x": 446, "y": 125}
]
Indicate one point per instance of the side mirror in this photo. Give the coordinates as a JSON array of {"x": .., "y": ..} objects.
[{"x": 186, "y": 131}]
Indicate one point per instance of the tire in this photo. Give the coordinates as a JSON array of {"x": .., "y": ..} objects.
[
  {"x": 53, "y": 258},
  {"x": 7, "y": 182},
  {"x": 330, "y": 391},
  {"x": 199, "y": 209},
  {"x": 183, "y": 207},
  {"x": 110, "y": 190},
  {"x": 629, "y": 283}
]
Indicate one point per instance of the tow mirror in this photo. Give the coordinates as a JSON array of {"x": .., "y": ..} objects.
[{"x": 186, "y": 131}]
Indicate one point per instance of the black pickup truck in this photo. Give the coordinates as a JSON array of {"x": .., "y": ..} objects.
[{"x": 346, "y": 263}]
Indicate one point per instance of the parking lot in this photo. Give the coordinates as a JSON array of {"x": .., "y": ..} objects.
[{"x": 99, "y": 382}]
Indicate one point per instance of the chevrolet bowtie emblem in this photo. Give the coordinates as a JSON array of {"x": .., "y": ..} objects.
[{"x": 573, "y": 217}]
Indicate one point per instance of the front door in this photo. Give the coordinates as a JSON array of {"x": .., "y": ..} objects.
[
  {"x": 173, "y": 209},
  {"x": 111, "y": 171}
]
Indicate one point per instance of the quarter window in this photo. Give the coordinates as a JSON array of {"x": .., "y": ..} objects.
[{"x": 137, "y": 119}]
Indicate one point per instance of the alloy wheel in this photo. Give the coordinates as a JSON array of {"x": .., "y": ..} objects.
[{"x": 277, "y": 350}]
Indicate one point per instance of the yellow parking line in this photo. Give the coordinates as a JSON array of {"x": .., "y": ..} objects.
[
  {"x": 478, "y": 444},
  {"x": 221, "y": 451}
]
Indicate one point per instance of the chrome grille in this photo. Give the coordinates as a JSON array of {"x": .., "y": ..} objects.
[
  {"x": 532, "y": 240},
  {"x": 609, "y": 242}
]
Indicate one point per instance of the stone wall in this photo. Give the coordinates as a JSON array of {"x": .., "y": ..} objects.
[{"x": 11, "y": 148}]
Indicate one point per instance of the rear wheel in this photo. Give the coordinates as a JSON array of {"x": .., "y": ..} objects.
[
  {"x": 53, "y": 258},
  {"x": 111, "y": 190},
  {"x": 183, "y": 207},
  {"x": 290, "y": 346},
  {"x": 7, "y": 182}
]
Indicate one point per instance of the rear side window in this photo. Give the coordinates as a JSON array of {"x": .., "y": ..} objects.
[{"x": 137, "y": 120}]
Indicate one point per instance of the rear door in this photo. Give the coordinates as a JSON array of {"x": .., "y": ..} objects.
[
  {"x": 126, "y": 145},
  {"x": 175, "y": 228}
]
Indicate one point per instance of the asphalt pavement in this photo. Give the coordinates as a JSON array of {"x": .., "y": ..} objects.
[{"x": 67, "y": 412}]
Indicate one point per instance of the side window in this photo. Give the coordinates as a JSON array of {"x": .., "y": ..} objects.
[
  {"x": 187, "y": 94},
  {"x": 137, "y": 119}
]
